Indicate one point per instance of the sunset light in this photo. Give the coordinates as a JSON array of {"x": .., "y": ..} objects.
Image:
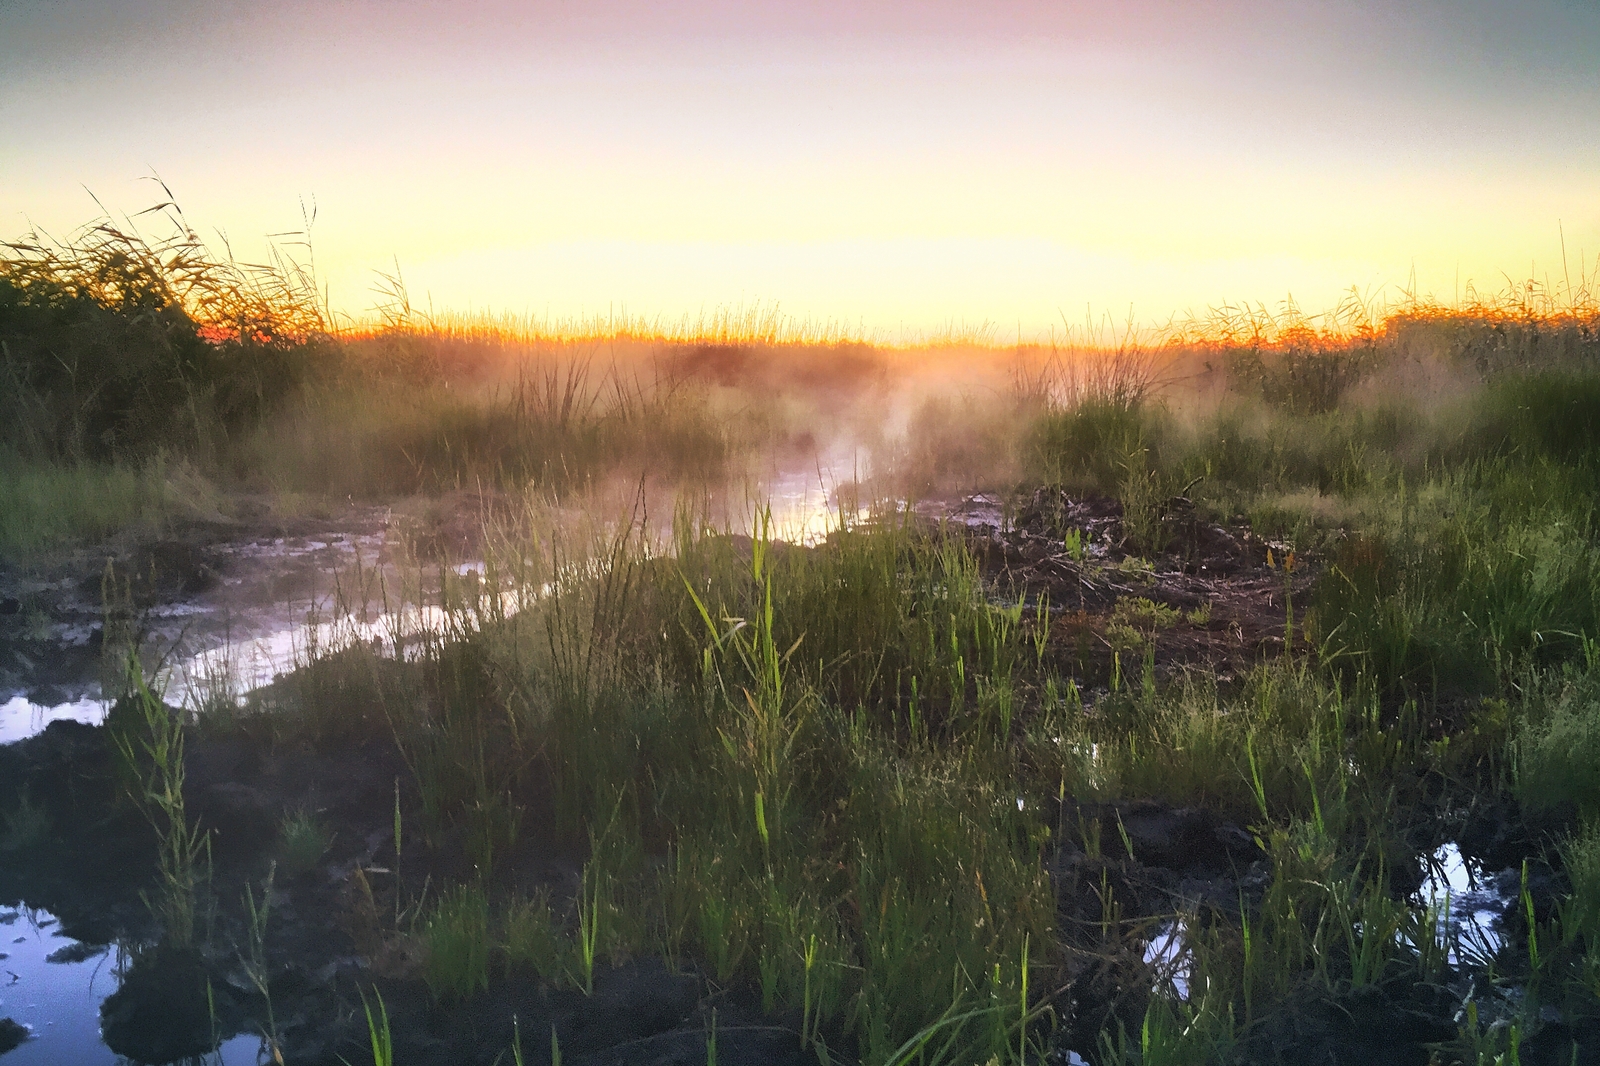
[
  {"x": 896, "y": 166},
  {"x": 758, "y": 533}
]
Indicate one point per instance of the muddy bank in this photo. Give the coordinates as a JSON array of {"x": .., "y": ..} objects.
[
  {"x": 1203, "y": 594},
  {"x": 333, "y": 939},
  {"x": 197, "y": 585}
]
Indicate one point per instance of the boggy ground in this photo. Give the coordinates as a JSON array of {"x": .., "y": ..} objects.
[
  {"x": 203, "y": 582},
  {"x": 333, "y": 939},
  {"x": 193, "y": 582},
  {"x": 1213, "y": 595},
  {"x": 321, "y": 821}
]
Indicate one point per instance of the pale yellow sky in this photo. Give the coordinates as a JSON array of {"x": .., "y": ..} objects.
[{"x": 1011, "y": 163}]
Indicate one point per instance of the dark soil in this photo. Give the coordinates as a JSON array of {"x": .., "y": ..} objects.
[
  {"x": 1234, "y": 608},
  {"x": 330, "y": 936}
]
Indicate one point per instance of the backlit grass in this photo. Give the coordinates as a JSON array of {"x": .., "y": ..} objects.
[{"x": 857, "y": 784}]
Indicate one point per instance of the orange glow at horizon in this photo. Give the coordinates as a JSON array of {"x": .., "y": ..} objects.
[{"x": 1021, "y": 164}]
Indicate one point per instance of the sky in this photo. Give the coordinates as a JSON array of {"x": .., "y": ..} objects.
[{"x": 896, "y": 167}]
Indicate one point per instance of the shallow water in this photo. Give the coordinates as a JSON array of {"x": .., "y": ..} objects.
[
  {"x": 54, "y": 986},
  {"x": 280, "y": 600},
  {"x": 20, "y": 719},
  {"x": 1168, "y": 957},
  {"x": 271, "y": 610},
  {"x": 1476, "y": 906}
]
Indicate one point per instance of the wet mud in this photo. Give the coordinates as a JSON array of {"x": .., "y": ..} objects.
[
  {"x": 194, "y": 586},
  {"x": 1228, "y": 595}
]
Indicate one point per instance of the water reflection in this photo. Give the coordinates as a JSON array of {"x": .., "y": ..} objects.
[
  {"x": 53, "y": 986},
  {"x": 21, "y": 718},
  {"x": 1169, "y": 959},
  {"x": 1469, "y": 909}
]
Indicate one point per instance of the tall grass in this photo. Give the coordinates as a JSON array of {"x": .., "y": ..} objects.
[
  {"x": 852, "y": 766},
  {"x": 149, "y": 738},
  {"x": 44, "y": 504},
  {"x": 830, "y": 810},
  {"x": 116, "y": 344},
  {"x": 854, "y": 781}
]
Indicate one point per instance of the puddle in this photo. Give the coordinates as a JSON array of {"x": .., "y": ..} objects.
[
  {"x": 20, "y": 719},
  {"x": 1169, "y": 960},
  {"x": 806, "y": 506},
  {"x": 54, "y": 985},
  {"x": 1475, "y": 906},
  {"x": 279, "y": 599}
]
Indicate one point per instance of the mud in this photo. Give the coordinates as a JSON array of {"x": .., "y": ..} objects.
[
  {"x": 1228, "y": 594},
  {"x": 197, "y": 585},
  {"x": 330, "y": 938}
]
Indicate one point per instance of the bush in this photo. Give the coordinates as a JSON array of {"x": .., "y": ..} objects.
[{"x": 115, "y": 346}]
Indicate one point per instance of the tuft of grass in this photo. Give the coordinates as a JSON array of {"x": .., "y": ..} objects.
[
  {"x": 1580, "y": 857},
  {"x": 531, "y": 938},
  {"x": 457, "y": 942},
  {"x": 379, "y": 1033},
  {"x": 150, "y": 742},
  {"x": 303, "y": 839},
  {"x": 1556, "y": 752}
]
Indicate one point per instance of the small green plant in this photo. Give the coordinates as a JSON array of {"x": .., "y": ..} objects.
[
  {"x": 591, "y": 909},
  {"x": 457, "y": 943},
  {"x": 516, "y": 1044},
  {"x": 151, "y": 746},
  {"x": 1073, "y": 543},
  {"x": 1135, "y": 621},
  {"x": 255, "y": 962},
  {"x": 378, "y": 1031},
  {"x": 1138, "y": 568},
  {"x": 303, "y": 839},
  {"x": 531, "y": 939}
]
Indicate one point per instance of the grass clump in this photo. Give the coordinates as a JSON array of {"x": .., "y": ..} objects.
[
  {"x": 303, "y": 839},
  {"x": 150, "y": 738},
  {"x": 532, "y": 937},
  {"x": 1557, "y": 749},
  {"x": 1580, "y": 858},
  {"x": 456, "y": 943}
]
